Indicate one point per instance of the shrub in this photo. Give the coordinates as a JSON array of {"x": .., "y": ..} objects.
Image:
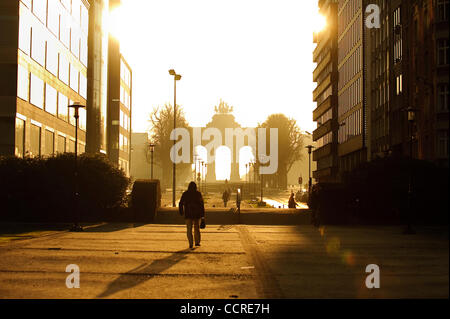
[{"x": 43, "y": 188}]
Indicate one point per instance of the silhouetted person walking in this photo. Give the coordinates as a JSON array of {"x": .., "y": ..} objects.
[
  {"x": 192, "y": 207},
  {"x": 225, "y": 197},
  {"x": 292, "y": 203}
]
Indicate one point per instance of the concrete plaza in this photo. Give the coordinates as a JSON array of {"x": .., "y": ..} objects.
[{"x": 233, "y": 261}]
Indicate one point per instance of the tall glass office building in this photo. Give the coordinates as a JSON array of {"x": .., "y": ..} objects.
[{"x": 43, "y": 63}]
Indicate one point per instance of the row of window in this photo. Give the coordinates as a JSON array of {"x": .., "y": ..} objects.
[
  {"x": 325, "y": 117},
  {"x": 347, "y": 13},
  {"x": 380, "y": 65},
  {"x": 57, "y": 64},
  {"x": 43, "y": 141},
  {"x": 443, "y": 48},
  {"x": 123, "y": 143},
  {"x": 324, "y": 95},
  {"x": 380, "y": 95},
  {"x": 350, "y": 127},
  {"x": 33, "y": 89},
  {"x": 349, "y": 40},
  {"x": 443, "y": 9},
  {"x": 350, "y": 68},
  {"x": 63, "y": 28},
  {"x": 324, "y": 140},
  {"x": 124, "y": 120},
  {"x": 125, "y": 97},
  {"x": 324, "y": 73},
  {"x": 350, "y": 97},
  {"x": 125, "y": 74}
]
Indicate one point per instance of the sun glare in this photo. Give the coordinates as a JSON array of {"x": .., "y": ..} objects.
[
  {"x": 320, "y": 22},
  {"x": 115, "y": 28}
]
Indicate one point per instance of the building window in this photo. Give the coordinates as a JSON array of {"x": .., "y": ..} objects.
[
  {"x": 63, "y": 103},
  {"x": 73, "y": 78},
  {"x": 61, "y": 146},
  {"x": 24, "y": 30},
  {"x": 38, "y": 45},
  {"x": 442, "y": 143},
  {"x": 20, "y": 138},
  {"x": 64, "y": 28},
  {"x": 40, "y": 9},
  {"x": 53, "y": 17},
  {"x": 51, "y": 63},
  {"x": 84, "y": 49},
  {"x": 50, "y": 99},
  {"x": 443, "y": 97},
  {"x": 63, "y": 73},
  {"x": 37, "y": 91},
  {"x": 35, "y": 140},
  {"x": 83, "y": 86},
  {"x": 443, "y": 52},
  {"x": 71, "y": 146},
  {"x": 443, "y": 8},
  {"x": 82, "y": 118},
  {"x": 23, "y": 82},
  {"x": 75, "y": 41},
  {"x": 49, "y": 143}
]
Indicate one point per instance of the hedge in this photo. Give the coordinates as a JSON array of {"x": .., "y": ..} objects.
[{"x": 43, "y": 188}]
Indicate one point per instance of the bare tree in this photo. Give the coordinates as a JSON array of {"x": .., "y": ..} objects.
[
  {"x": 161, "y": 119},
  {"x": 290, "y": 144}
]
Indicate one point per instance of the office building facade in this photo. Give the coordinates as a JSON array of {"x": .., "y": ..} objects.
[
  {"x": 119, "y": 107},
  {"x": 43, "y": 63},
  {"x": 385, "y": 71},
  {"x": 325, "y": 95}
]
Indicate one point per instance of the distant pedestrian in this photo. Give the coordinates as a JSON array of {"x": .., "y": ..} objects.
[
  {"x": 225, "y": 197},
  {"x": 292, "y": 203},
  {"x": 192, "y": 207}
]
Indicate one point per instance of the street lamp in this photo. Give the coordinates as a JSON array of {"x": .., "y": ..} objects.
[
  {"x": 176, "y": 77},
  {"x": 206, "y": 170},
  {"x": 202, "y": 170},
  {"x": 152, "y": 149},
  {"x": 309, "y": 147},
  {"x": 195, "y": 166},
  {"x": 76, "y": 226},
  {"x": 247, "y": 167}
]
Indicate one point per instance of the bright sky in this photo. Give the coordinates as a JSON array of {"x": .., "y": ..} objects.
[{"x": 256, "y": 55}]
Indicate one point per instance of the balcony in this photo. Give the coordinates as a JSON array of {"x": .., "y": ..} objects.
[
  {"x": 322, "y": 152},
  {"x": 321, "y": 87},
  {"x": 322, "y": 108},
  {"x": 322, "y": 130},
  {"x": 322, "y": 42},
  {"x": 321, "y": 66}
]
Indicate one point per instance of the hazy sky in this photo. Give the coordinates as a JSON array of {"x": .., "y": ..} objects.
[{"x": 254, "y": 54}]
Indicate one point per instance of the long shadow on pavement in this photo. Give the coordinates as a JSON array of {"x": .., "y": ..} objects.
[
  {"x": 143, "y": 273},
  {"x": 112, "y": 227}
]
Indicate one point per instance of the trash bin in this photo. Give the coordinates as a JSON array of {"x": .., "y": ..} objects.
[{"x": 145, "y": 199}]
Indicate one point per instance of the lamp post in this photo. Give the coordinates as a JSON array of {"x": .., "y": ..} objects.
[
  {"x": 195, "y": 166},
  {"x": 152, "y": 149},
  {"x": 76, "y": 226},
  {"x": 176, "y": 77},
  {"x": 247, "y": 167},
  {"x": 411, "y": 118},
  {"x": 202, "y": 165},
  {"x": 309, "y": 147},
  {"x": 206, "y": 171}
]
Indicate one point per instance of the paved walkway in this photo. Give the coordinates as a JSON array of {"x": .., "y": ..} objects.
[{"x": 234, "y": 261}]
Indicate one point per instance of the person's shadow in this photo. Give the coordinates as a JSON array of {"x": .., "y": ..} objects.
[{"x": 143, "y": 273}]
